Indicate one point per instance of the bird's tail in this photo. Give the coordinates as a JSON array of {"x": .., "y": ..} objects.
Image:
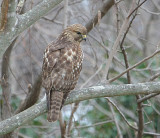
[{"x": 54, "y": 102}]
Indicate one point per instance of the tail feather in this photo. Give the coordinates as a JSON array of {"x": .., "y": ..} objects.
[
  {"x": 54, "y": 105},
  {"x": 64, "y": 98}
]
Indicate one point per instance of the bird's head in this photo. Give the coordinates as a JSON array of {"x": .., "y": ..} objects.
[{"x": 76, "y": 32}]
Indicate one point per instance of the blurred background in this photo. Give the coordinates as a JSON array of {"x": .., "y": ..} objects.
[{"x": 92, "y": 118}]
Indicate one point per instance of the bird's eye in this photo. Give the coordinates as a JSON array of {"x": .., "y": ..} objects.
[{"x": 78, "y": 33}]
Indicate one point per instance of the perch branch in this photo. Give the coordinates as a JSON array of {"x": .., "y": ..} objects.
[{"x": 14, "y": 122}]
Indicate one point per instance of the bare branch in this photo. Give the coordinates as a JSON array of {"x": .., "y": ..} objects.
[
  {"x": 140, "y": 118},
  {"x": 124, "y": 118},
  {"x": 27, "y": 19},
  {"x": 18, "y": 23},
  {"x": 6, "y": 109},
  {"x": 122, "y": 48},
  {"x": 104, "y": 9},
  {"x": 115, "y": 120},
  {"x": 62, "y": 125},
  {"x": 93, "y": 125},
  {"x": 135, "y": 65},
  {"x": 154, "y": 77},
  {"x": 151, "y": 133},
  {"x": 147, "y": 97},
  {"x": 71, "y": 117},
  {"x": 12, "y": 123},
  {"x": 116, "y": 43},
  {"x": 32, "y": 96}
]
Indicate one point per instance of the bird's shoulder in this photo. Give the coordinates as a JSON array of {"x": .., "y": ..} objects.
[{"x": 54, "y": 51}]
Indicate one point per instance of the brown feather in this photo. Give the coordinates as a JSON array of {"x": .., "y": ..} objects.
[
  {"x": 61, "y": 68},
  {"x": 54, "y": 105}
]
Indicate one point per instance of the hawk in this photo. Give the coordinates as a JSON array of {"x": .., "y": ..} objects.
[{"x": 62, "y": 63}]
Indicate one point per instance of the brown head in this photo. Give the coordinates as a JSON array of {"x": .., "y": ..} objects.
[{"x": 75, "y": 32}]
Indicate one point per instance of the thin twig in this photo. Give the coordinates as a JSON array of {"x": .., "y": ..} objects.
[
  {"x": 123, "y": 28},
  {"x": 136, "y": 8},
  {"x": 62, "y": 125},
  {"x": 115, "y": 120},
  {"x": 151, "y": 133},
  {"x": 123, "y": 50},
  {"x": 106, "y": 49},
  {"x": 147, "y": 97},
  {"x": 154, "y": 77},
  {"x": 31, "y": 97},
  {"x": 156, "y": 110},
  {"x": 140, "y": 111},
  {"x": 104, "y": 9},
  {"x": 116, "y": 43},
  {"x": 71, "y": 117},
  {"x": 133, "y": 127},
  {"x": 154, "y": 13},
  {"x": 93, "y": 125},
  {"x": 117, "y": 16},
  {"x": 135, "y": 65}
]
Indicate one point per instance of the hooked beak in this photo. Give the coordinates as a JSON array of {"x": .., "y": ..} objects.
[{"x": 84, "y": 37}]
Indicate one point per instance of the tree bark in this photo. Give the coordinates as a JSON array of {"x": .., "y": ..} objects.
[{"x": 14, "y": 122}]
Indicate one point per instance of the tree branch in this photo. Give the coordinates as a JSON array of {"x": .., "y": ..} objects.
[
  {"x": 32, "y": 96},
  {"x": 115, "y": 120},
  {"x": 18, "y": 23},
  {"x": 6, "y": 90},
  {"x": 116, "y": 43},
  {"x": 104, "y": 9},
  {"x": 29, "y": 18},
  {"x": 14, "y": 122},
  {"x": 135, "y": 65}
]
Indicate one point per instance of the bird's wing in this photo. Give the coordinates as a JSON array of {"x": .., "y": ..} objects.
[
  {"x": 51, "y": 62},
  {"x": 50, "y": 58},
  {"x": 56, "y": 45}
]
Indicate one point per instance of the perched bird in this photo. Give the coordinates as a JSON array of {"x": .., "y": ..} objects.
[{"x": 62, "y": 63}]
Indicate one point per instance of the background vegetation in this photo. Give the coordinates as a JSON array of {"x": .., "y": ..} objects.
[{"x": 122, "y": 37}]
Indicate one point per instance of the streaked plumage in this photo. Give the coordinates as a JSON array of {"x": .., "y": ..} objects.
[{"x": 61, "y": 67}]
